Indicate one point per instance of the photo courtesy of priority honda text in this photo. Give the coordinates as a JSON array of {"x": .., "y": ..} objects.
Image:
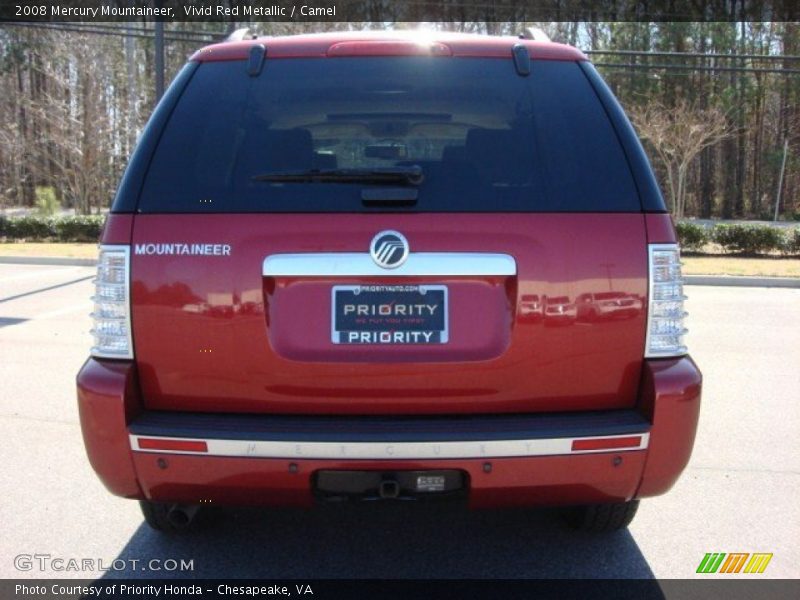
[{"x": 389, "y": 266}]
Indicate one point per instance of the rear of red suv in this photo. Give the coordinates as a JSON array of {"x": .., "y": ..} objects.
[{"x": 316, "y": 284}]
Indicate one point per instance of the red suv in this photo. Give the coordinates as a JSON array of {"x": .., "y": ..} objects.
[{"x": 316, "y": 283}]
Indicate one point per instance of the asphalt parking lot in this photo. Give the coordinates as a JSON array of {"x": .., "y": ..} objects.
[{"x": 739, "y": 493}]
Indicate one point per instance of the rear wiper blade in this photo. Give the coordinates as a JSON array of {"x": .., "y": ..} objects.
[{"x": 390, "y": 175}]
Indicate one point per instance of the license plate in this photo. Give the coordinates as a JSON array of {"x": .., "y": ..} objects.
[
  {"x": 431, "y": 483},
  {"x": 389, "y": 314}
]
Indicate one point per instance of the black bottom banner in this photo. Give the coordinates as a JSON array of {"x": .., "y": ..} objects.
[{"x": 118, "y": 589}]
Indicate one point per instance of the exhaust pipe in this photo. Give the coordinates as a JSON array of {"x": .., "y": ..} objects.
[{"x": 181, "y": 516}]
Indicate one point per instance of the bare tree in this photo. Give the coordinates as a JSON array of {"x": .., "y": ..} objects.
[
  {"x": 12, "y": 157},
  {"x": 678, "y": 134},
  {"x": 74, "y": 110},
  {"x": 72, "y": 104}
]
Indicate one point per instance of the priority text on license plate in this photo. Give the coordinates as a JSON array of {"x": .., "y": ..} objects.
[{"x": 389, "y": 314}]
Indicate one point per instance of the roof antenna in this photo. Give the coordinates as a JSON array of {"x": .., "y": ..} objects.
[{"x": 535, "y": 34}]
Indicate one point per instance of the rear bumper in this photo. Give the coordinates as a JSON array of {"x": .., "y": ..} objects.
[{"x": 508, "y": 460}]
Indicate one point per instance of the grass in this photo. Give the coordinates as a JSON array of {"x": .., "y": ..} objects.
[
  {"x": 48, "y": 249},
  {"x": 693, "y": 265},
  {"x": 750, "y": 267}
]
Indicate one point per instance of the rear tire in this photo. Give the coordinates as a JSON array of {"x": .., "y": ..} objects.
[
  {"x": 156, "y": 515},
  {"x": 601, "y": 518}
]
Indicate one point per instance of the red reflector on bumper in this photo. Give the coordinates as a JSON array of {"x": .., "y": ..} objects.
[
  {"x": 605, "y": 444},
  {"x": 176, "y": 445}
]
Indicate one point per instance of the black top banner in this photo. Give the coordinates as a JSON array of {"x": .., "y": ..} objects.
[{"x": 399, "y": 10}]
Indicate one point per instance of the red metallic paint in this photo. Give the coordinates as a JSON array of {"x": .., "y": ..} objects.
[
  {"x": 670, "y": 397},
  {"x": 117, "y": 229},
  {"x": 209, "y": 336},
  {"x": 670, "y": 393},
  {"x": 660, "y": 229},
  {"x": 318, "y": 45},
  {"x": 292, "y": 301},
  {"x": 204, "y": 342},
  {"x": 108, "y": 399},
  {"x": 511, "y": 482}
]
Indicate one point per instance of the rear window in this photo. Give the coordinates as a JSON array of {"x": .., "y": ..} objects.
[{"x": 486, "y": 139}]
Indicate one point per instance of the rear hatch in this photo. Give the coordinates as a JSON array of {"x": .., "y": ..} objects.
[{"x": 271, "y": 201}]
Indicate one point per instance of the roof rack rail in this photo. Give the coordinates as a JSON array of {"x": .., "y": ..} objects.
[
  {"x": 256, "y": 60},
  {"x": 535, "y": 34},
  {"x": 241, "y": 34}
]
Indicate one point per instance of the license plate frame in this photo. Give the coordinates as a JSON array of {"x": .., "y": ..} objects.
[{"x": 402, "y": 330}]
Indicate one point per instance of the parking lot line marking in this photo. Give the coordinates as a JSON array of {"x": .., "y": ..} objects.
[
  {"x": 42, "y": 273},
  {"x": 46, "y": 289},
  {"x": 8, "y": 321},
  {"x": 62, "y": 311},
  {"x": 39, "y": 419},
  {"x": 50, "y": 314}
]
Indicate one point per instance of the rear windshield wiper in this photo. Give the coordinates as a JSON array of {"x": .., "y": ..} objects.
[{"x": 390, "y": 175}]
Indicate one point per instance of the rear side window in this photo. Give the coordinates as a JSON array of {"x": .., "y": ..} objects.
[{"x": 486, "y": 139}]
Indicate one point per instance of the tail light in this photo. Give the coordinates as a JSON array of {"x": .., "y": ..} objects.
[
  {"x": 665, "y": 313},
  {"x": 112, "y": 314}
]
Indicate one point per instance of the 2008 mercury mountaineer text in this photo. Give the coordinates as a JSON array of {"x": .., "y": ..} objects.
[{"x": 380, "y": 266}]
